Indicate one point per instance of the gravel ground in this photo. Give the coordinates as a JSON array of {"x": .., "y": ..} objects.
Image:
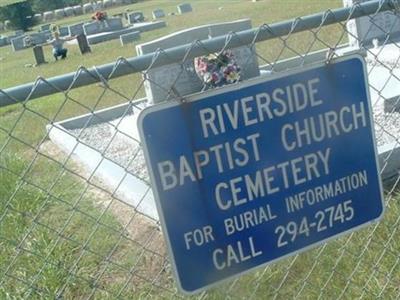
[
  {"x": 115, "y": 146},
  {"x": 387, "y": 126}
]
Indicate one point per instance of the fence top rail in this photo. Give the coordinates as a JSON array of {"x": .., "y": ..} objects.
[{"x": 122, "y": 66}]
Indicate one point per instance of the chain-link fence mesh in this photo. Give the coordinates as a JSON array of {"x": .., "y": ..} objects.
[{"x": 75, "y": 222}]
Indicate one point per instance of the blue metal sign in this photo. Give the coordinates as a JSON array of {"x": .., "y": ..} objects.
[{"x": 248, "y": 174}]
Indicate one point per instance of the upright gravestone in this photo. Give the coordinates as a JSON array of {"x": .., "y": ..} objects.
[
  {"x": 18, "y": 43},
  {"x": 38, "y": 38},
  {"x": 83, "y": 44},
  {"x": 118, "y": 2},
  {"x": 135, "y": 17},
  {"x": 69, "y": 11},
  {"x": 160, "y": 81},
  {"x": 184, "y": 8},
  {"x": 78, "y": 10},
  {"x": 37, "y": 18},
  {"x": 39, "y": 55},
  {"x": 1, "y": 26},
  {"x": 88, "y": 8},
  {"x": 362, "y": 31},
  {"x": 48, "y": 16},
  {"x": 59, "y": 13},
  {"x": 107, "y": 3},
  {"x": 7, "y": 24},
  {"x": 158, "y": 13}
]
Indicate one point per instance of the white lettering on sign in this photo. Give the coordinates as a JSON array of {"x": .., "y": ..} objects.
[
  {"x": 243, "y": 189},
  {"x": 323, "y": 126},
  {"x": 226, "y": 156},
  {"x": 263, "y": 106},
  {"x": 234, "y": 254}
]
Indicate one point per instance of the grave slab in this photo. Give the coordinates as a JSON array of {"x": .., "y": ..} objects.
[
  {"x": 128, "y": 38},
  {"x": 108, "y": 35},
  {"x": 45, "y": 27},
  {"x": 159, "y": 81},
  {"x": 184, "y": 8}
]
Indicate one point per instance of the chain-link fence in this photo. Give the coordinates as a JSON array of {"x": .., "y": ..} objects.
[{"x": 77, "y": 219}]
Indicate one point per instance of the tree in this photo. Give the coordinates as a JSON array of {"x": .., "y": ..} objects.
[{"x": 20, "y": 15}]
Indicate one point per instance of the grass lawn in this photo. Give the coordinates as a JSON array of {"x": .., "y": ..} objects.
[{"x": 61, "y": 235}]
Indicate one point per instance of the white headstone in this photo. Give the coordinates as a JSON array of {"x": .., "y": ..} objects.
[
  {"x": 7, "y": 24},
  {"x": 184, "y": 8},
  {"x": 78, "y": 10},
  {"x": 59, "y": 13},
  {"x": 69, "y": 11},
  {"x": 107, "y": 3},
  {"x": 365, "y": 29},
  {"x": 158, "y": 13},
  {"x": 160, "y": 80},
  {"x": 38, "y": 18},
  {"x": 87, "y": 8},
  {"x": 48, "y": 16}
]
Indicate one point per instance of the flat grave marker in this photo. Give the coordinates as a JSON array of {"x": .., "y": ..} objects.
[
  {"x": 184, "y": 8},
  {"x": 158, "y": 13}
]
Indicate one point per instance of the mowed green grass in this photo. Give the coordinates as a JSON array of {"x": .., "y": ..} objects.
[{"x": 56, "y": 239}]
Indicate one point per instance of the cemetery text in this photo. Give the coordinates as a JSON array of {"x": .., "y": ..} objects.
[{"x": 271, "y": 166}]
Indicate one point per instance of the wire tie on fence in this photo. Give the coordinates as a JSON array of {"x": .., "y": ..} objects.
[
  {"x": 101, "y": 77},
  {"x": 329, "y": 55}
]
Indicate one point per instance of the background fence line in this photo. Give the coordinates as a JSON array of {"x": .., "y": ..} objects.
[{"x": 178, "y": 54}]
